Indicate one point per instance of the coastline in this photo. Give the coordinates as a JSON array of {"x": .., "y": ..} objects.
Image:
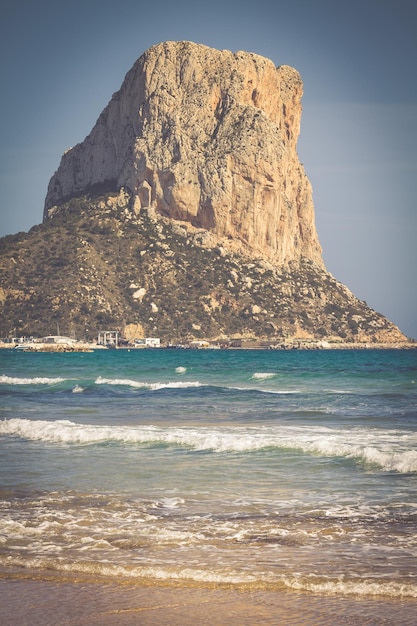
[
  {"x": 248, "y": 345},
  {"x": 47, "y": 601}
]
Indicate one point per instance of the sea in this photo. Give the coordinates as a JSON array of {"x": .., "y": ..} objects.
[{"x": 293, "y": 471}]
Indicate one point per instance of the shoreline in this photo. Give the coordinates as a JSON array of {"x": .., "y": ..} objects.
[
  {"x": 255, "y": 345},
  {"x": 49, "y": 601}
]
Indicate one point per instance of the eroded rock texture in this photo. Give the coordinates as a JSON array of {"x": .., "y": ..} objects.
[{"x": 208, "y": 137}]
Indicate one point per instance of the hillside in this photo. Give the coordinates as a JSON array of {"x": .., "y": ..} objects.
[{"x": 97, "y": 266}]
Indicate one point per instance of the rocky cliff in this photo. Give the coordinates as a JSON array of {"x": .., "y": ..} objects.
[{"x": 208, "y": 137}]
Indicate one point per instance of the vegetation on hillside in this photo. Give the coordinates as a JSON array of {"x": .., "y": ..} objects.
[{"x": 95, "y": 265}]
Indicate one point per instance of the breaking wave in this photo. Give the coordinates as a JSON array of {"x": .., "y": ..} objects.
[
  {"x": 263, "y": 375},
  {"x": 127, "y": 382},
  {"x": 385, "y": 449},
  {"x": 38, "y": 380},
  {"x": 185, "y": 575}
]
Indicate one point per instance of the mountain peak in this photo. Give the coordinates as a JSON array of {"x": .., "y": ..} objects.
[{"x": 207, "y": 137}]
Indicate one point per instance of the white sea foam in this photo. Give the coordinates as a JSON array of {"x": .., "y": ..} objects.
[
  {"x": 273, "y": 391},
  {"x": 38, "y": 380},
  {"x": 138, "y": 572},
  {"x": 170, "y": 503},
  {"x": 361, "y": 587},
  {"x": 387, "y": 450},
  {"x": 263, "y": 375},
  {"x": 355, "y": 588},
  {"x": 180, "y": 370},
  {"x": 127, "y": 382},
  {"x": 78, "y": 389}
]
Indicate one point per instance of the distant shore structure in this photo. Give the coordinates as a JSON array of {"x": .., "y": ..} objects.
[
  {"x": 108, "y": 338},
  {"x": 115, "y": 340}
]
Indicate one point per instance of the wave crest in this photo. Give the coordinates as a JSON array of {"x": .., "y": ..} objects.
[
  {"x": 127, "y": 382},
  {"x": 38, "y": 380},
  {"x": 389, "y": 451},
  {"x": 263, "y": 375},
  {"x": 361, "y": 588}
]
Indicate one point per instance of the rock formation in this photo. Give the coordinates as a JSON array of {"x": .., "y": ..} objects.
[
  {"x": 208, "y": 137},
  {"x": 185, "y": 214}
]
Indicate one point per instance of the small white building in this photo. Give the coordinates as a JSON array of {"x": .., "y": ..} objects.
[
  {"x": 148, "y": 342},
  {"x": 200, "y": 344},
  {"x": 152, "y": 342},
  {"x": 57, "y": 339}
]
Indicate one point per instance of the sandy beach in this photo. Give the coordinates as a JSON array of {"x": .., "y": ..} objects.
[{"x": 28, "y": 602}]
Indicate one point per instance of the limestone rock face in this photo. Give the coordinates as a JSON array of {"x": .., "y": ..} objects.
[{"x": 207, "y": 137}]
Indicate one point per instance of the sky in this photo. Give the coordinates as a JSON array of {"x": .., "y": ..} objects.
[{"x": 60, "y": 63}]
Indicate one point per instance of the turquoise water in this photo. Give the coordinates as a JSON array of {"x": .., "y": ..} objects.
[{"x": 272, "y": 469}]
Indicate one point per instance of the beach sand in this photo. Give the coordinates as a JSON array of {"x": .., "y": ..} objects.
[{"x": 29, "y": 602}]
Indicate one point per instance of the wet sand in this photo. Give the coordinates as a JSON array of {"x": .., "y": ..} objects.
[{"x": 29, "y": 602}]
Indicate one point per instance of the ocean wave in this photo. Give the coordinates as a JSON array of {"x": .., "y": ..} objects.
[
  {"x": 133, "y": 572},
  {"x": 359, "y": 587},
  {"x": 156, "y": 386},
  {"x": 127, "y": 382},
  {"x": 38, "y": 380},
  {"x": 386, "y": 450},
  {"x": 186, "y": 575},
  {"x": 263, "y": 375},
  {"x": 278, "y": 392}
]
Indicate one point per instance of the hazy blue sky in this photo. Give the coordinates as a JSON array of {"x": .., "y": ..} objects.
[{"x": 61, "y": 63}]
